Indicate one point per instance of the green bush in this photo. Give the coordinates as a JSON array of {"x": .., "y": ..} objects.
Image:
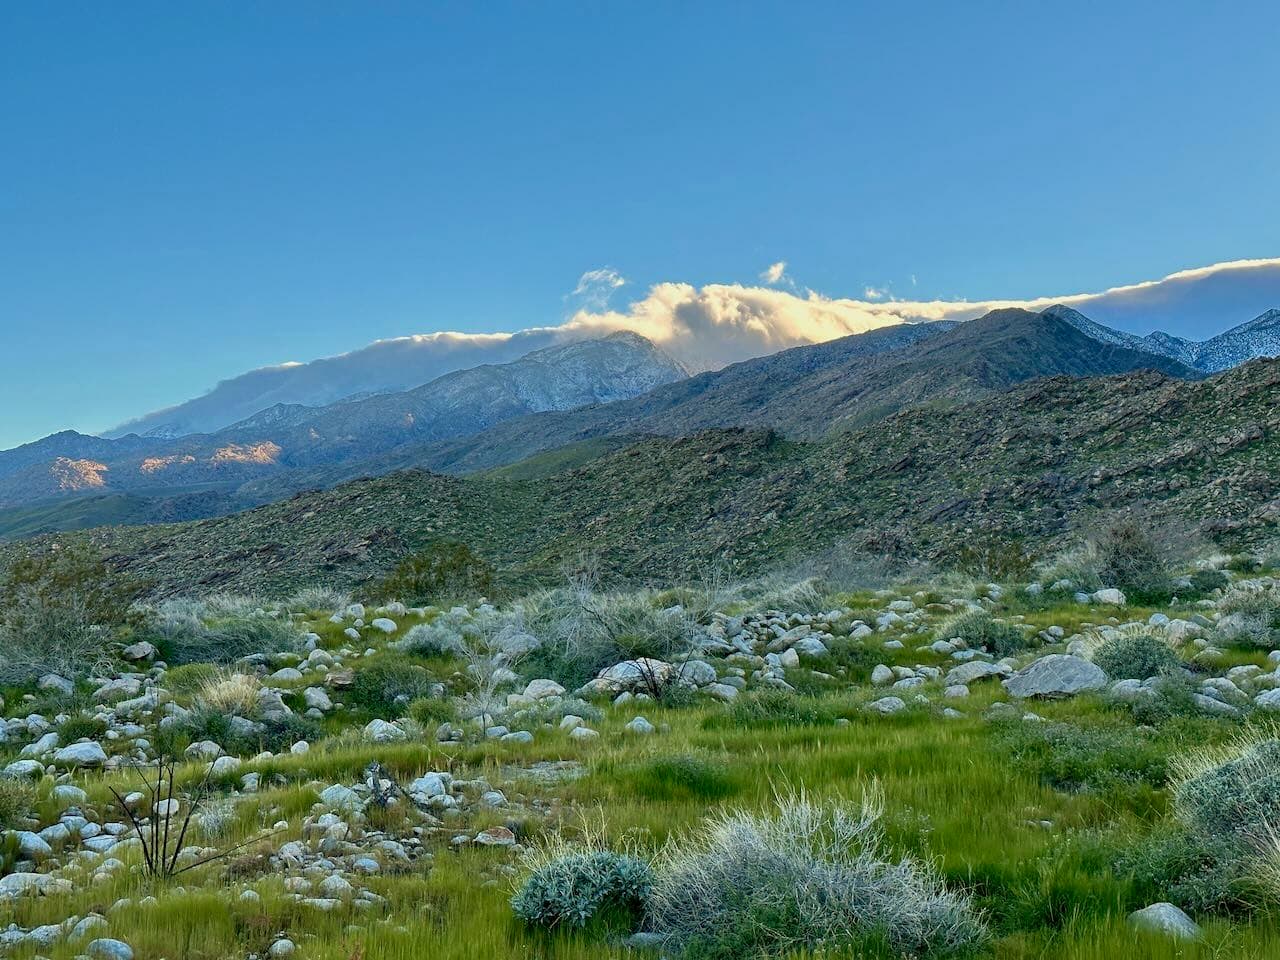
[
  {"x": 1174, "y": 864},
  {"x": 1206, "y": 581},
  {"x": 1136, "y": 656},
  {"x": 979, "y": 629},
  {"x": 58, "y": 607},
  {"x": 1071, "y": 757},
  {"x": 437, "y": 574},
  {"x": 1130, "y": 558},
  {"x": 575, "y": 889},
  {"x": 385, "y": 688},
  {"x": 276, "y": 734},
  {"x": 227, "y": 641},
  {"x": 17, "y": 797},
  {"x": 81, "y": 726},
  {"x": 432, "y": 711},
  {"x": 1251, "y": 616},
  {"x": 1174, "y": 700}
]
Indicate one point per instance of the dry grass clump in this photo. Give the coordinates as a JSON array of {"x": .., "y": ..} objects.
[
  {"x": 811, "y": 876},
  {"x": 231, "y": 693}
]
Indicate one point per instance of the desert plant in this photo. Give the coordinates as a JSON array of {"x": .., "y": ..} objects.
[
  {"x": 440, "y": 638},
  {"x": 1135, "y": 656},
  {"x": 386, "y": 687},
  {"x": 1250, "y": 615},
  {"x": 17, "y": 797},
  {"x": 436, "y": 574},
  {"x": 58, "y": 606},
  {"x": 573, "y": 889},
  {"x": 162, "y": 828},
  {"x": 810, "y": 877},
  {"x": 235, "y": 694},
  {"x": 1130, "y": 558},
  {"x": 229, "y": 640},
  {"x": 317, "y": 600},
  {"x": 979, "y": 629}
]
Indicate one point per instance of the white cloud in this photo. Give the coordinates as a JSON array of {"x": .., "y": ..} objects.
[
  {"x": 596, "y": 287},
  {"x": 711, "y": 326},
  {"x": 775, "y": 272},
  {"x": 872, "y": 293}
]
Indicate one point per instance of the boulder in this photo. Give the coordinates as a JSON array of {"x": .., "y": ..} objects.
[
  {"x": 1057, "y": 675},
  {"x": 87, "y": 754},
  {"x": 1167, "y": 919}
]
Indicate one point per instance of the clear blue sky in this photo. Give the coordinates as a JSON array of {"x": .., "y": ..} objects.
[{"x": 191, "y": 190}]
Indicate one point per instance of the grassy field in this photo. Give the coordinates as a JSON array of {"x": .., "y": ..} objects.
[{"x": 1031, "y": 835}]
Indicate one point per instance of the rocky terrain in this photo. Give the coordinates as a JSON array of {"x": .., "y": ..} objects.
[
  {"x": 1034, "y": 465},
  {"x": 542, "y": 775}
]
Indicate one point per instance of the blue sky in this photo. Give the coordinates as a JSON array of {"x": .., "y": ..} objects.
[{"x": 188, "y": 191}]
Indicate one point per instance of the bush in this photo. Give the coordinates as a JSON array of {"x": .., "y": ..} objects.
[
  {"x": 275, "y": 734},
  {"x": 1222, "y": 852},
  {"x": 235, "y": 694},
  {"x": 980, "y": 629},
  {"x": 81, "y": 726},
  {"x": 584, "y": 631},
  {"x": 58, "y": 607},
  {"x": 574, "y": 889},
  {"x": 440, "y": 638},
  {"x": 810, "y": 877},
  {"x": 387, "y": 687},
  {"x": 1135, "y": 656},
  {"x": 1129, "y": 558},
  {"x": 17, "y": 797},
  {"x": 440, "y": 573},
  {"x": 432, "y": 711},
  {"x": 229, "y": 640},
  {"x": 1250, "y": 616},
  {"x": 317, "y": 600},
  {"x": 1070, "y": 757}
]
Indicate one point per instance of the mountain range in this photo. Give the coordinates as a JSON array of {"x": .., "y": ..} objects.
[{"x": 579, "y": 400}]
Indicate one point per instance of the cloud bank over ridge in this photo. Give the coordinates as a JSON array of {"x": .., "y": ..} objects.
[{"x": 711, "y": 326}]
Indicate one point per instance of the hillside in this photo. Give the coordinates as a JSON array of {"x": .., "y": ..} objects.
[
  {"x": 809, "y": 391},
  {"x": 1037, "y": 462},
  {"x": 289, "y": 437}
]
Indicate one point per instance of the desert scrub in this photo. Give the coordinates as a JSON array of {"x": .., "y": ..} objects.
[
  {"x": 437, "y": 574},
  {"x": 1071, "y": 757},
  {"x": 236, "y": 694},
  {"x": 17, "y": 797},
  {"x": 808, "y": 877},
  {"x": 386, "y": 687},
  {"x": 1250, "y": 616},
  {"x": 192, "y": 640},
  {"x": 1129, "y": 557},
  {"x": 980, "y": 629},
  {"x": 1135, "y": 656},
  {"x": 572, "y": 889},
  {"x": 327, "y": 600},
  {"x": 1221, "y": 850}
]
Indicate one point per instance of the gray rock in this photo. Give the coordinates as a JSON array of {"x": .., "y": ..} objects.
[
  {"x": 1167, "y": 919},
  {"x": 107, "y": 949},
  {"x": 887, "y": 705},
  {"x": 87, "y": 754},
  {"x": 973, "y": 670},
  {"x": 1057, "y": 675},
  {"x": 379, "y": 731}
]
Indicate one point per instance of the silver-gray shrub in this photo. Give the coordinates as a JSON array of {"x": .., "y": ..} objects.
[{"x": 810, "y": 876}]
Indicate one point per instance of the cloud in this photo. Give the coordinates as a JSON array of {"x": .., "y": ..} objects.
[
  {"x": 596, "y": 287},
  {"x": 775, "y": 272},
  {"x": 872, "y": 293},
  {"x": 714, "y": 325}
]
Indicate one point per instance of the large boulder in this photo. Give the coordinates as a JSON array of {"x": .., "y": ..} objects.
[
  {"x": 1057, "y": 675},
  {"x": 1167, "y": 919},
  {"x": 967, "y": 673},
  {"x": 86, "y": 754}
]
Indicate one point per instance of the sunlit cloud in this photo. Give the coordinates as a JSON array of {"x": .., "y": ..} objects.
[
  {"x": 596, "y": 287},
  {"x": 774, "y": 273}
]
